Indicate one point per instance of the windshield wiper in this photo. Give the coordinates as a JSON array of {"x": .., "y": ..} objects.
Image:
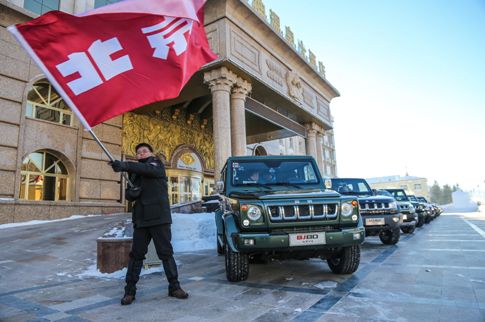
[
  {"x": 258, "y": 185},
  {"x": 287, "y": 184}
]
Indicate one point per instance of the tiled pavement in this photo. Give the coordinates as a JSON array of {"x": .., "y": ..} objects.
[{"x": 435, "y": 274}]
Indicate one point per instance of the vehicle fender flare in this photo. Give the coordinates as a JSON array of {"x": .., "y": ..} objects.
[
  {"x": 230, "y": 227},
  {"x": 219, "y": 222}
]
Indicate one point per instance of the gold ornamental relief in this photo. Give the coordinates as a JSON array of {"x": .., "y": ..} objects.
[
  {"x": 187, "y": 158},
  {"x": 165, "y": 134}
]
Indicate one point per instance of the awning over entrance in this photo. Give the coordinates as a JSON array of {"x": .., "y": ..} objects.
[{"x": 265, "y": 124}]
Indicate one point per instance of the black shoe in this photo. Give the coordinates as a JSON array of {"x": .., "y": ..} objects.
[
  {"x": 127, "y": 299},
  {"x": 180, "y": 294}
]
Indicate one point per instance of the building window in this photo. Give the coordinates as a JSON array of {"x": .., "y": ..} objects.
[
  {"x": 102, "y": 3},
  {"x": 404, "y": 186},
  {"x": 43, "y": 177},
  {"x": 41, "y": 6},
  {"x": 291, "y": 143},
  {"x": 417, "y": 186},
  {"x": 282, "y": 142},
  {"x": 43, "y": 102},
  {"x": 329, "y": 170},
  {"x": 300, "y": 146}
]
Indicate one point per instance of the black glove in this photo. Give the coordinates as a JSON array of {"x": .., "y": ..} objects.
[
  {"x": 118, "y": 166},
  {"x": 135, "y": 192}
]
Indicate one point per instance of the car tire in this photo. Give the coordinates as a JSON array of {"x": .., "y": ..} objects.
[
  {"x": 390, "y": 237},
  {"x": 237, "y": 264},
  {"x": 407, "y": 230},
  {"x": 220, "y": 248},
  {"x": 420, "y": 222},
  {"x": 428, "y": 219},
  {"x": 346, "y": 262}
]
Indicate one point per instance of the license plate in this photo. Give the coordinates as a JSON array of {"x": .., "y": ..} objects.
[
  {"x": 374, "y": 221},
  {"x": 307, "y": 239}
]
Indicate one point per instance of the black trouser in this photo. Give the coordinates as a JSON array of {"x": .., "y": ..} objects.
[{"x": 161, "y": 235}]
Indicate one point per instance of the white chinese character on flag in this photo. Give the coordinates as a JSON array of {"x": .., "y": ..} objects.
[
  {"x": 100, "y": 52},
  {"x": 161, "y": 40}
]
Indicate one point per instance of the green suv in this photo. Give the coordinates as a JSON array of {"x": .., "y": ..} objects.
[
  {"x": 410, "y": 217},
  {"x": 401, "y": 196},
  {"x": 280, "y": 208}
]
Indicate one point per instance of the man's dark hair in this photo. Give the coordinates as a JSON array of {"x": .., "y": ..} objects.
[{"x": 146, "y": 145}]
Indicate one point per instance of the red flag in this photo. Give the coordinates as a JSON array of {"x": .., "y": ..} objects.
[{"x": 113, "y": 59}]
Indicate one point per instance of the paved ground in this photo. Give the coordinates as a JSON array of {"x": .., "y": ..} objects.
[{"x": 435, "y": 274}]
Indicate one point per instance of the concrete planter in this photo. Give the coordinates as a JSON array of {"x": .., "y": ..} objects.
[{"x": 113, "y": 254}]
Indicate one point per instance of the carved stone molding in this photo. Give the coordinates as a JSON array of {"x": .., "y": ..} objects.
[
  {"x": 275, "y": 72},
  {"x": 295, "y": 86},
  {"x": 314, "y": 127},
  {"x": 311, "y": 133},
  {"x": 241, "y": 89},
  {"x": 220, "y": 79}
]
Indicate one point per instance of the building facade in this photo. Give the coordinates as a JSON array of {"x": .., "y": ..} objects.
[
  {"x": 262, "y": 89},
  {"x": 416, "y": 186}
]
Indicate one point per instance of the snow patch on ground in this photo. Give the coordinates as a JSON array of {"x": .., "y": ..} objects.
[
  {"x": 92, "y": 271},
  {"x": 38, "y": 222},
  {"x": 326, "y": 284}
]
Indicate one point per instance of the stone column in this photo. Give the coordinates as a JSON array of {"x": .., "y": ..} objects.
[
  {"x": 319, "y": 152},
  {"x": 220, "y": 82},
  {"x": 310, "y": 143},
  {"x": 238, "y": 119}
]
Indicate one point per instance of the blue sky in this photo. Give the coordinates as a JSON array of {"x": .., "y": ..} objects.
[{"x": 411, "y": 75}]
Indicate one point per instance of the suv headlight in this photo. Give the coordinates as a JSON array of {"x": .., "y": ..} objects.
[
  {"x": 393, "y": 205},
  {"x": 347, "y": 209},
  {"x": 254, "y": 213},
  {"x": 411, "y": 209}
]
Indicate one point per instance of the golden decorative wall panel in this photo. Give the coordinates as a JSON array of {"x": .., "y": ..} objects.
[{"x": 165, "y": 134}]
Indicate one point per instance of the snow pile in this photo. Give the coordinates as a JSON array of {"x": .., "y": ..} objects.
[
  {"x": 118, "y": 232},
  {"x": 38, "y": 222},
  {"x": 461, "y": 203},
  {"x": 191, "y": 232}
]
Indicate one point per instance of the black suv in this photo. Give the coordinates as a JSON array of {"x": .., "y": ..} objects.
[{"x": 380, "y": 214}]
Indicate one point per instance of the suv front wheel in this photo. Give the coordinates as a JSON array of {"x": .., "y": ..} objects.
[
  {"x": 237, "y": 264},
  {"x": 390, "y": 237},
  {"x": 346, "y": 262}
]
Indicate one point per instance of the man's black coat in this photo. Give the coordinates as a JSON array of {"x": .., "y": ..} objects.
[{"x": 152, "y": 207}]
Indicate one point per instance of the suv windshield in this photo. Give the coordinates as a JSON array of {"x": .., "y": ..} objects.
[
  {"x": 422, "y": 199},
  {"x": 356, "y": 187},
  {"x": 400, "y": 195},
  {"x": 270, "y": 172},
  {"x": 413, "y": 198},
  {"x": 384, "y": 193}
]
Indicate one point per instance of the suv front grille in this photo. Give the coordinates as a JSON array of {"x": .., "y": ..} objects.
[
  {"x": 279, "y": 231},
  {"x": 303, "y": 212},
  {"x": 374, "y": 207}
]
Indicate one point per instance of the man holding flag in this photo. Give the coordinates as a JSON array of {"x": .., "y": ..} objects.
[{"x": 113, "y": 59}]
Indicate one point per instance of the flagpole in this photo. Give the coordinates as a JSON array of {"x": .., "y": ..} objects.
[{"x": 109, "y": 156}]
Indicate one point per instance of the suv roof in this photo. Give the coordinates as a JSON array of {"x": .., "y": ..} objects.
[{"x": 270, "y": 157}]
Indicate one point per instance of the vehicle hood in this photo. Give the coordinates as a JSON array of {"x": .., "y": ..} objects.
[
  {"x": 284, "y": 194},
  {"x": 375, "y": 199}
]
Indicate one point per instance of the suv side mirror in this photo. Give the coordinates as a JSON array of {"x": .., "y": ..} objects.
[
  {"x": 219, "y": 186},
  {"x": 374, "y": 191},
  {"x": 328, "y": 183}
]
